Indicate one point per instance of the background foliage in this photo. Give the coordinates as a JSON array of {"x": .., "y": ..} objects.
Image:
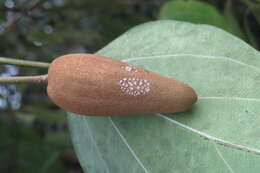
[{"x": 31, "y": 136}]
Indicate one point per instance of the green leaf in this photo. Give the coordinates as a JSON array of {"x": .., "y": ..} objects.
[
  {"x": 221, "y": 133},
  {"x": 195, "y": 12}
]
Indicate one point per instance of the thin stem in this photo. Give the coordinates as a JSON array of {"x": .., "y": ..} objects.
[
  {"x": 24, "y": 63},
  {"x": 24, "y": 79}
]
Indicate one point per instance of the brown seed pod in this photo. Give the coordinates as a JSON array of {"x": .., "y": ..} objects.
[{"x": 99, "y": 86}]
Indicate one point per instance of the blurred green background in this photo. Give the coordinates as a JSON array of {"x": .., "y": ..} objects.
[{"x": 34, "y": 135}]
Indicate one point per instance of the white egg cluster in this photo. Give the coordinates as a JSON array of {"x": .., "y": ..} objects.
[{"x": 134, "y": 86}]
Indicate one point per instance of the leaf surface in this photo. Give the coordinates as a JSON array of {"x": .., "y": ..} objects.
[{"x": 221, "y": 133}]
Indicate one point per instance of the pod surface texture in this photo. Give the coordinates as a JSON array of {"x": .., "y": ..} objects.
[{"x": 99, "y": 86}]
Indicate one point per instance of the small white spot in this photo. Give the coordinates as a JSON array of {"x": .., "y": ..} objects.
[
  {"x": 147, "y": 89},
  {"x": 129, "y": 68},
  {"x": 121, "y": 82},
  {"x": 130, "y": 83}
]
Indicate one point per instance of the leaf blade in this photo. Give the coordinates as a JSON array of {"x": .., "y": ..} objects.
[{"x": 223, "y": 70}]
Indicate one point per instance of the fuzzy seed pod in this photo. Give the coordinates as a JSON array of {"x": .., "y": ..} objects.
[{"x": 99, "y": 86}]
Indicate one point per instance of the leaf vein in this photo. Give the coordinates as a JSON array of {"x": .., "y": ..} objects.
[
  {"x": 95, "y": 144},
  {"x": 212, "y": 138},
  {"x": 223, "y": 159},
  {"x": 128, "y": 146},
  {"x": 229, "y": 98},
  {"x": 192, "y": 55}
]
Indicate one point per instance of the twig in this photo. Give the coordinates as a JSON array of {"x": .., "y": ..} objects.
[
  {"x": 25, "y": 63},
  {"x": 25, "y": 79}
]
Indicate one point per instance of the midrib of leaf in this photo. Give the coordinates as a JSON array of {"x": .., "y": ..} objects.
[{"x": 212, "y": 138}]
